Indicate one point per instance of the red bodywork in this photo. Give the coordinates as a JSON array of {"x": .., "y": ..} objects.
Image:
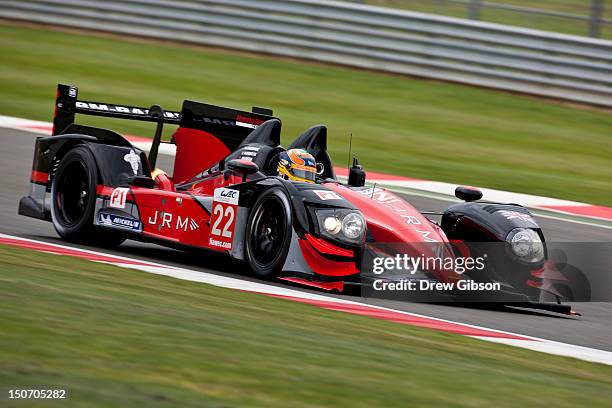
[
  {"x": 398, "y": 227},
  {"x": 179, "y": 217},
  {"x": 176, "y": 216}
]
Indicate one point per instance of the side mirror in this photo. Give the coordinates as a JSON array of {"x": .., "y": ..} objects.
[
  {"x": 242, "y": 167},
  {"x": 468, "y": 194},
  {"x": 357, "y": 175}
]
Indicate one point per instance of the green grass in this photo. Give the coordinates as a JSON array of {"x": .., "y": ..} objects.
[
  {"x": 118, "y": 337},
  {"x": 512, "y": 17},
  {"x": 411, "y": 127}
]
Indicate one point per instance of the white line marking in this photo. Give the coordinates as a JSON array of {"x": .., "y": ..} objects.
[{"x": 532, "y": 343}]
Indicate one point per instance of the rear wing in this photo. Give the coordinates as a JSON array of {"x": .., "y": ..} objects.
[
  {"x": 67, "y": 106},
  {"x": 229, "y": 126}
]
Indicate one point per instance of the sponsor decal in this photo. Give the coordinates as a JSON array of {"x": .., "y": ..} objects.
[
  {"x": 327, "y": 195},
  {"x": 122, "y": 109},
  {"x": 223, "y": 218},
  {"x": 168, "y": 220},
  {"x": 393, "y": 203},
  {"x": 248, "y": 120},
  {"x": 249, "y": 153},
  {"x": 515, "y": 215},
  {"x": 426, "y": 235},
  {"x": 217, "y": 121},
  {"x": 118, "y": 197},
  {"x": 220, "y": 244},
  {"x": 246, "y": 125},
  {"x": 381, "y": 195},
  {"x": 113, "y": 220},
  {"x": 226, "y": 195},
  {"x": 133, "y": 159}
]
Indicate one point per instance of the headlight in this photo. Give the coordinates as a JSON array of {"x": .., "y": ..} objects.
[
  {"x": 353, "y": 225},
  {"x": 341, "y": 224},
  {"x": 526, "y": 244},
  {"x": 332, "y": 225}
]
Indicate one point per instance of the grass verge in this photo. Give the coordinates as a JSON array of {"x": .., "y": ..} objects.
[
  {"x": 117, "y": 337},
  {"x": 411, "y": 127}
]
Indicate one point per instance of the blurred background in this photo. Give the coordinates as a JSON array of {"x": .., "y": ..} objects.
[
  {"x": 580, "y": 17},
  {"x": 429, "y": 89}
]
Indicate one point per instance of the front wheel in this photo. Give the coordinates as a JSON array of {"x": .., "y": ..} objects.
[
  {"x": 268, "y": 233},
  {"x": 73, "y": 195}
]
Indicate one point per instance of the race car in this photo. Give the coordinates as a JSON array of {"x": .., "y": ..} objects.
[
  {"x": 234, "y": 189},
  {"x": 224, "y": 194}
]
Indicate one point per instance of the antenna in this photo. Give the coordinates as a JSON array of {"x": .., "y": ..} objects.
[
  {"x": 348, "y": 164},
  {"x": 373, "y": 190}
]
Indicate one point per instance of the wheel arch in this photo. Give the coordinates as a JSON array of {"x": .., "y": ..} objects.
[
  {"x": 108, "y": 155},
  {"x": 113, "y": 169},
  {"x": 275, "y": 266}
]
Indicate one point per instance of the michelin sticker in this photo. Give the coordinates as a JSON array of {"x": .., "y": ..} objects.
[
  {"x": 112, "y": 220},
  {"x": 134, "y": 161}
]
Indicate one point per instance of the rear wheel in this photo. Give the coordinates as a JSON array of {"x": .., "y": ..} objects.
[
  {"x": 268, "y": 233},
  {"x": 73, "y": 194}
]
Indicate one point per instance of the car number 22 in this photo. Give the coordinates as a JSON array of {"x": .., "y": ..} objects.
[
  {"x": 223, "y": 215},
  {"x": 223, "y": 218}
]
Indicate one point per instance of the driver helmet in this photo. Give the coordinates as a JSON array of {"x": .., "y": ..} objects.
[{"x": 297, "y": 165}]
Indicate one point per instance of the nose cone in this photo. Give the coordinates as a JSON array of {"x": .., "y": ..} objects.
[
  {"x": 389, "y": 217},
  {"x": 396, "y": 227}
]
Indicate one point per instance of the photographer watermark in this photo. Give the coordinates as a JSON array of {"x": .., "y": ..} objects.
[
  {"x": 425, "y": 285},
  {"x": 411, "y": 266},
  {"x": 487, "y": 272}
]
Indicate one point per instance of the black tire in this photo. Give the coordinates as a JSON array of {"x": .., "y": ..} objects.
[
  {"x": 268, "y": 233},
  {"x": 73, "y": 195},
  {"x": 577, "y": 288}
]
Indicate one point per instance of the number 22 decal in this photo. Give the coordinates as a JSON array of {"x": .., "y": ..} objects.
[
  {"x": 223, "y": 218},
  {"x": 229, "y": 214}
]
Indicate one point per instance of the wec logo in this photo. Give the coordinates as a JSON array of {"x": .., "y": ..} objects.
[
  {"x": 227, "y": 196},
  {"x": 229, "y": 193}
]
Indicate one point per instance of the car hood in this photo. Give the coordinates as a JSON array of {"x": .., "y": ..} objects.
[
  {"x": 389, "y": 217},
  {"x": 395, "y": 226}
]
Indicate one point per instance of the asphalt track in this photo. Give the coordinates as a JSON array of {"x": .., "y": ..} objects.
[{"x": 593, "y": 329}]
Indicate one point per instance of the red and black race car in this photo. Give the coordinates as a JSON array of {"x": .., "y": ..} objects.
[{"x": 225, "y": 195}]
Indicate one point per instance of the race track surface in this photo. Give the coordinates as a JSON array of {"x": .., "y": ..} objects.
[{"x": 593, "y": 329}]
